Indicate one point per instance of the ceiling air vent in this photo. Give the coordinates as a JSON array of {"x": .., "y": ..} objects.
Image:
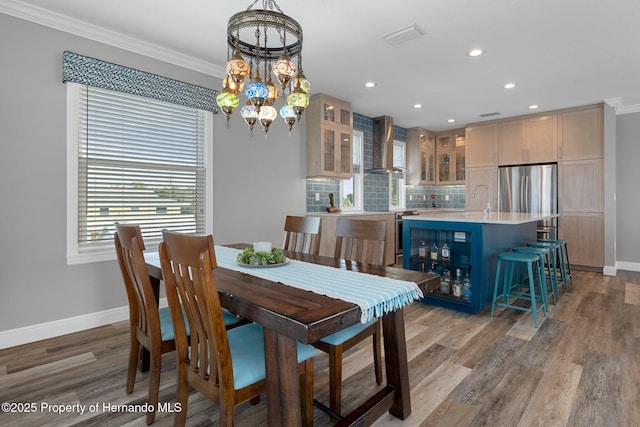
[
  {"x": 495, "y": 113},
  {"x": 403, "y": 35}
]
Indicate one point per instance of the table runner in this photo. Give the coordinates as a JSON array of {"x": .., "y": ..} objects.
[{"x": 375, "y": 295}]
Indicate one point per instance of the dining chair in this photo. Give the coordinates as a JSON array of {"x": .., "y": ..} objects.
[
  {"x": 302, "y": 234},
  {"x": 148, "y": 326},
  {"x": 226, "y": 365},
  {"x": 363, "y": 241}
]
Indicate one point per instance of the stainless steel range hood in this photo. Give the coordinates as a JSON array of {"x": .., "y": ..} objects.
[{"x": 383, "y": 146}]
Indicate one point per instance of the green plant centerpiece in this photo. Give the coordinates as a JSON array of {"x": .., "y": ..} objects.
[{"x": 250, "y": 257}]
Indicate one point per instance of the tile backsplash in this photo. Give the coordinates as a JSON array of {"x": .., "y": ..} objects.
[{"x": 376, "y": 186}]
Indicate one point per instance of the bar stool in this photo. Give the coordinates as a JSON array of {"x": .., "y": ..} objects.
[
  {"x": 557, "y": 266},
  {"x": 511, "y": 288},
  {"x": 564, "y": 254},
  {"x": 548, "y": 284}
]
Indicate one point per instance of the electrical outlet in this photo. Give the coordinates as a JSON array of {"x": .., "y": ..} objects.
[
  {"x": 317, "y": 197},
  {"x": 410, "y": 196},
  {"x": 446, "y": 197},
  {"x": 424, "y": 197}
]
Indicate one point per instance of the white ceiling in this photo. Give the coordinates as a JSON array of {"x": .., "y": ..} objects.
[{"x": 560, "y": 53}]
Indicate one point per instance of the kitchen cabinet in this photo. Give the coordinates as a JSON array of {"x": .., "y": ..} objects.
[
  {"x": 450, "y": 158},
  {"x": 584, "y": 233},
  {"x": 472, "y": 248},
  {"x": 328, "y": 234},
  {"x": 581, "y": 133},
  {"x": 482, "y": 176},
  {"x": 581, "y": 186},
  {"x": 421, "y": 157},
  {"x": 329, "y": 123},
  {"x": 528, "y": 140},
  {"x": 481, "y": 145}
]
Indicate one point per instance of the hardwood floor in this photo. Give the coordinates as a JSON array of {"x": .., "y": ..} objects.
[{"x": 581, "y": 367}]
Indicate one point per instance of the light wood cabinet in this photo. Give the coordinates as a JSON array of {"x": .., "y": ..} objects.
[
  {"x": 450, "y": 158},
  {"x": 581, "y": 133},
  {"x": 481, "y": 176},
  {"x": 329, "y": 123},
  {"x": 581, "y": 186},
  {"x": 328, "y": 234},
  {"x": 584, "y": 233},
  {"x": 421, "y": 157},
  {"x": 528, "y": 140},
  {"x": 481, "y": 145}
]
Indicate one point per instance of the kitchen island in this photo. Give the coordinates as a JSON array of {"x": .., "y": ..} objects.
[{"x": 471, "y": 240}]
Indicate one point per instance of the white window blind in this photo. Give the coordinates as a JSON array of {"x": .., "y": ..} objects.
[{"x": 140, "y": 161}]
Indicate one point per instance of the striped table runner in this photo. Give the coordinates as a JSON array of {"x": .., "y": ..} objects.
[{"x": 374, "y": 295}]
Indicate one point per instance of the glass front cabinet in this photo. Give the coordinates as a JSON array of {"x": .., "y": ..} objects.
[
  {"x": 450, "y": 150},
  {"x": 329, "y": 123},
  {"x": 463, "y": 254}
]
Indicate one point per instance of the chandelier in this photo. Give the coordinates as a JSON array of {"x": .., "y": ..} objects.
[{"x": 269, "y": 40}]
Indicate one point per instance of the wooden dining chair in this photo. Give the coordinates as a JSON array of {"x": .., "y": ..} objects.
[
  {"x": 227, "y": 366},
  {"x": 302, "y": 234},
  {"x": 148, "y": 326},
  {"x": 363, "y": 241}
]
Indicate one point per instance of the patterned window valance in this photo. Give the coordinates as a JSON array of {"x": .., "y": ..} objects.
[{"x": 94, "y": 72}]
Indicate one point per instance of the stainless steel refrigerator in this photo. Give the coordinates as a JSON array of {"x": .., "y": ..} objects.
[{"x": 530, "y": 188}]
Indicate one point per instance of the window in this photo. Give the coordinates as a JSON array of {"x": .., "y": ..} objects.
[
  {"x": 351, "y": 189},
  {"x": 137, "y": 160},
  {"x": 397, "y": 190}
]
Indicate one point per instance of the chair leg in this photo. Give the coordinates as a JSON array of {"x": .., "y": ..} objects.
[
  {"x": 377, "y": 352},
  {"x": 154, "y": 383},
  {"x": 133, "y": 361},
  {"x": 180, "y": 417},
  {"x": 306, "y": 393},
  {"x": 335, "y": 378}
]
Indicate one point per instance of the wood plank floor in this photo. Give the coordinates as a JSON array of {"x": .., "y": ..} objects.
[{"x": 581, "y": 367}]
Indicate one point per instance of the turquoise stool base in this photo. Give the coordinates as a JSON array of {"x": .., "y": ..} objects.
[
  {"x": 564, "y": 253},
  {"x": 511, "y": 287}
]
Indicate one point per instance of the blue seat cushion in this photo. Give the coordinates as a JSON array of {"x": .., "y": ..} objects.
[
  {"x": 348, "y": 333},
  {"x": 166, "y": 325},
  {"x": 247, "y": 354}
]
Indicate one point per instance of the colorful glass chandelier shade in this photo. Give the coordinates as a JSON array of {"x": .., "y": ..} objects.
[{"x": 264, "y": 38}]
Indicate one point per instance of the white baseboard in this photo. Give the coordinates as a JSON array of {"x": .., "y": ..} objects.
[
  {"x": 32, "y": 333},
  {"x": 628, "y": 266},
  {"x": 609, "y": 271}
]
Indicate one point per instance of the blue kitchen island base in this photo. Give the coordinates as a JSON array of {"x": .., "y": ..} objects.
[{"x": 472, "y": 250}]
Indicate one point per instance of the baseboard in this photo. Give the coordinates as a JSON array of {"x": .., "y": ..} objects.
[
  {"x": 628, "y": 266},
  {"x": 32, "y": 333},
  {"x": 609, "y": 270}
]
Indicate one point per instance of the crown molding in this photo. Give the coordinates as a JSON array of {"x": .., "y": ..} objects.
[
  {"x": 620, "y": 108},
  {"x": 93, "y": 32}
]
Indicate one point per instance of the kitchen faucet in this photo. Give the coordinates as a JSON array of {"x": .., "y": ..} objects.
[{"x": 487, "y": 211}]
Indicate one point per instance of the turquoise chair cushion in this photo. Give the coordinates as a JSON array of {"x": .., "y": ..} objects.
[
  {"x": 247, "y": 354},
  {"x": 166, "y": 325},
  {"x": 348, "y": 333}
]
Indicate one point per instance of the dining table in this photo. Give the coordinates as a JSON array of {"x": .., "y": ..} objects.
[{"x": 291, "y": 313}]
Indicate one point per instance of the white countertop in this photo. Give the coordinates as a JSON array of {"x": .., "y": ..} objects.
[{"x": 480, "y": 217}]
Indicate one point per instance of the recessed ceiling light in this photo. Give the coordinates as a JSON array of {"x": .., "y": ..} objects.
[
  {"x": 509, "y": 85},
  {"x": 476, "y": 52},
  {"x": 417, "y": 105},
  {"x": 451, "y": 120},
  {"x": 369, "y": 84},
  {"x": 533, "y": 107}
]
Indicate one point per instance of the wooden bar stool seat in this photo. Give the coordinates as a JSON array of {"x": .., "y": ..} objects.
[{"x": 513, "y": 288}]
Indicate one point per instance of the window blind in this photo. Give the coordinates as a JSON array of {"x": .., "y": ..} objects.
[{"x": 140, "y": 161}]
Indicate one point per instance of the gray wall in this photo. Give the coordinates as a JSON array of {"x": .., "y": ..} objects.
[
  {"x": 627, "y": 193},
  {"x": 257, "y": 182}
]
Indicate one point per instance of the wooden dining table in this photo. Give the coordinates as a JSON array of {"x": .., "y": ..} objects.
[{"x": 289, "y": 314}]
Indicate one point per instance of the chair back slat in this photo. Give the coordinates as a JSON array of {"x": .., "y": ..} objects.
[
  {"x": 187, "y": 266},
  {"x": 302, "y": 234},
  {"x": 143, "y": 306},
  {"x": 361, "y": 240}
]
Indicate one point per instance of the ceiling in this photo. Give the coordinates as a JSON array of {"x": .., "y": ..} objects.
[{"x": 559, "y": 53}]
